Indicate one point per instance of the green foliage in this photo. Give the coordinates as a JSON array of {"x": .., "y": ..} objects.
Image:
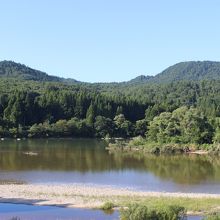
[
  {"x": 189, "y": 71},
  {"x": 140, "y": 127},
  {"x": 90, "y": 114},
  {"x": 107, "y": 206},
  {"x": 137, "y": 141},
  {"x": 216, "y": 138},
  {"x": 11, "y": 69},
  {"x": 103, "y": 126},
  {"x": 123, "y": 126},
  {"x": 180, "y": 105},
  {"x": 184, "y": 125},
  {"x": 142, "y": 212},
  {"x": 213, "y": 216}
]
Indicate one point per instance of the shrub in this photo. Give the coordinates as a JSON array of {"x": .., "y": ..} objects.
[
  {"x": 171, "y": 149},
  {"x": 137, "y": 141},
  {"x": 107, "y": 206},
  {"x": 142, "y": 212}
]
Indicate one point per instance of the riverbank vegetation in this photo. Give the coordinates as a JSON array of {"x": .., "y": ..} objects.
[
  {"x": 72, "y": 111},
  {"x": 137, "y": 211},
  {"x": 173, "y": 111},
  {"x": 143, "y": 145},
  {"x": 141, "y": 212},
  {"x": 214, "y": 216},
  {"x": 183, "y": 130},
  {"x": 192, "y": 206}
]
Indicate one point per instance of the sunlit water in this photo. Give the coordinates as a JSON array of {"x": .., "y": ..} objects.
[
  {"x": 86, "y": 161},
  {"x": 29, "y": 212}
]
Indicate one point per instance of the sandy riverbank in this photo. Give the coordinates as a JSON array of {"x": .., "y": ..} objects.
[{"x": 82, "y": 196}]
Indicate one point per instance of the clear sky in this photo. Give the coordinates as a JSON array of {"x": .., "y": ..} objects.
[{"x": 108, "y": 40}]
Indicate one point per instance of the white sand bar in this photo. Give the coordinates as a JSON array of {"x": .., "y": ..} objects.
[{"x": 77, "y": 195}]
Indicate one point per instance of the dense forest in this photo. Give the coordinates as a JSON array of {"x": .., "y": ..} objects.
[{"x": 181, "y": 104}]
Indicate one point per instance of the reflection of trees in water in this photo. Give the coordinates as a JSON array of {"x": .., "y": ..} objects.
[
  {"x": 78, "y": 155},
  {"x": 183, "y": 169},
  {"x": 81, "y": 155},
  {"x": 89, "y": 155}
]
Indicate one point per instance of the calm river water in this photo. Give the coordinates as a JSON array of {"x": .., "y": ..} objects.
[
  {"x": 86, "y": 161},
  {"x": 29, "y": 212}
]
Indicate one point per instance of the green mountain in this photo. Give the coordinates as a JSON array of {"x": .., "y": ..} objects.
[
  {"x": 190, "y": 71},
  {"x": 10, "y": 69},
  {"x": 30, "y": 107},
  {"x": 184, "y": 71},
  {"x": 141, "y": 79}
]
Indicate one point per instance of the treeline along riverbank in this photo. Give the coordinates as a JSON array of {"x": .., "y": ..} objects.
[{"x": 172, "y": 111}]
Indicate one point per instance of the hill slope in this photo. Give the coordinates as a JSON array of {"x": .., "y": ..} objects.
[
  {"x": 184, "y": 71},
  {"x": 193, "y": 71},
  {"x": 10, "y": 69},
  {"x": 141, "y": 79}
]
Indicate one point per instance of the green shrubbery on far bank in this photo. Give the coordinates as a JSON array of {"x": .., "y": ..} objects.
[
  {"x": 140, "y": 144},
  {"x": 183, "y": 130}
]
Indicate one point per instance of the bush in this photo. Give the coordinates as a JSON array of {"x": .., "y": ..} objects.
[
  {"x": 137, "y": 141},
  {"x": 107, "y": 206},
  {"x": 172, "y": 149},
  {"x": 142, "y": 212}
]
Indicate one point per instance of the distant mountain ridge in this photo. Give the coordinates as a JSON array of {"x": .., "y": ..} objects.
[
  {"x": 141, "y": 79},
  {"x": 190, "y": 71},
  {"x": 10, "y": 69},
  {"x": 184, "y": 71}
]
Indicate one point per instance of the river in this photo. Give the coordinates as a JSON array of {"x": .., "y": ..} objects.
[{"x": 86, "y": 161}]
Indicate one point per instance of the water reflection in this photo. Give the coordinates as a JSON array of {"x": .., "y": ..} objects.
[
  {"x": 29, "y": 212},
  {"x": 87, "y": 161},
  {"x": 23, "y": 212}
]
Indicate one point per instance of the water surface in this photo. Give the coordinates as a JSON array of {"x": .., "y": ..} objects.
[
  {"x": 29, "y": 212},
  {"x": 86, "y": 161}
]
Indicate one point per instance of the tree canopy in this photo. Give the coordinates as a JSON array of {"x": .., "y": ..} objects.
[{"x": 177, "y": 111}]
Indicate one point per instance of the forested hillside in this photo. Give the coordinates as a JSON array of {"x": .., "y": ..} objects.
[
  {"x": 10, "y": 69},
  {"x": 42, "y": 107},
  {"x": 185, "y": 71},
  {"x": 193, "y": 71}
]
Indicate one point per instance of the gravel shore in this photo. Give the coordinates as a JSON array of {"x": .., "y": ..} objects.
[{"x": 81, "y": 196}]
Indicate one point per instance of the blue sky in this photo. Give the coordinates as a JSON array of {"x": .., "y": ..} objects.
[{"x": 108, "y": 40}]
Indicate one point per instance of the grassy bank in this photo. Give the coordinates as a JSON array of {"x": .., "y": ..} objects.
[
  {"x": 194, "y": 206},
  {"x": 163, "y": 208},
  {"x": 98, "y": 196},
  {"x": 141, "y": 144},
  {"x": 137, "y": 211}
]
